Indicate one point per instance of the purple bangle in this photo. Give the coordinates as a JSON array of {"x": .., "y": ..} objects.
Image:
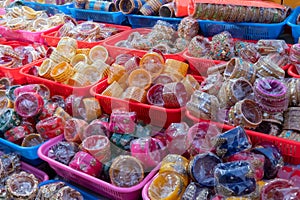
[{"x": 275, "y": 85}]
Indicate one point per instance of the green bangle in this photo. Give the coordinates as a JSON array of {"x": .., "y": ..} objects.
[{"x": 8, "y": 120}]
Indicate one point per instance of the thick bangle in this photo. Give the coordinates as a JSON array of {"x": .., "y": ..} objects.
[
  {"x": 98, "y": 53},
  {"x": 50, "y": 127},
  {"x": 278, "y": 187},
  {"x": 131, "y": 169},
  {"x": 179, "y": 66},
  {"x": 78, "y": 80},
  {"x": 67, "y": 47},
  {"x": 122, "y": 122},
  {"x": 22, "y": 186},
  {"x": 16, "y": 134},
  {"x": 291, "y": 119},
  {"x": 271, "y": 94},
  {"x": 135, "y": 94},
  {"x": 245, "y": 113},
  {"x": 32, "y": 140},
  {"x": 115, "y": 73},
  {"x": 140, "y": 78},
  {"x": 265, "y": 68},
  {"x": 113, "y": 90},
  {"x": 96, "y": 127},
  {"x": 58, "y": 57},
  {"x": 204, "y": 163},
  {"x": 294, "y": 91},
  {"x": 90, "y": 109},
  {"x": 174, "y": 95},
  {"x": 130, "y": 7},
  {"x": 190, "y": 84},
  {"x": 155, "y": 95},
  {"x": 45, "y": 69},
  {"x": 63, "y": 152},
  {"x": 8, "y": 120},
  {"x": 227, "y": 145},
  {"x": 203, "y": 105},
  {"x": 98, "y": 146},
  {"x": 62, "y": 72},
  {"x": 79, "y": 58},
  {"x": 74, "y": 129},
  {"x": 29, "y": 104},
  {"x": 230, "y": 174},
  {"x": 167, "y": 10},
  {"x": 40, "y": 24},
  {"x": 86, "y": 163},
  {"x": 153, "y": 62}
]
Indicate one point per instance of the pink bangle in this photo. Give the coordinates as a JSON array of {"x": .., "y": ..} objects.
[
  {"x": 74, "y": 129},
  {"x": 86, "y": 163},
  {"x": 98, "y": 146},
  {"x": 26, "y": 88},
  {"x": 50, "y": 127},
  {"x": 29, "y": 104}
]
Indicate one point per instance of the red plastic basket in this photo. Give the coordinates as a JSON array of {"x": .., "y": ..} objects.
[
  {"x": 94, "y": 184},
  {"x": 52, "y": 40},
  {"x": 42, "y": 176},
  {"x": 55, "y": 87},
  {"x": 14, "y": 73},
  {"x": 292, "y": 71},
  {"x": 290, "y": 149},
  {"x": 154, "y": 115},
  {"x": 23, "y": 35},
  {"x": 114, "y": 51}
]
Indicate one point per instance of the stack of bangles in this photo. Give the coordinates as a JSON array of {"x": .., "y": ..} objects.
[
  {"x": 77, "y": 67},
  {"x": 271, "y": 94}
]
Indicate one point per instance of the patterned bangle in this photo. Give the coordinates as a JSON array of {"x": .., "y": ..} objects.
[{"x": 62, "y": 72}]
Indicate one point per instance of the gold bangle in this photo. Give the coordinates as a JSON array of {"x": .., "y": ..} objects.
[
  {"x": 15, "y": 23},
  {"x": 135, "y": 94},
  {"x": 62, "y": 72},
  {"x": 29, "y": 13},
  {"x": 78, "y": 80},
  {"x": 113, "y": 90},
  {"x": 140, "y": 78},
  {"x": 58, "y": 58},
  {"x": 92, "y": 74},
  {"x": 190, "y": 84},
  {"x": 115, "y": 73},
  {"x": 67, "y": 47},
  {"x": 78, "y": 58},
  {"x": 178, "y": 66},
  {"x": 175, "y": 75},
  {"x": 79, "y": 67},
  {"x": 45, "y": 69},
  {"x": 98, "y": 53},
  {"x": 92, "y": 109}
]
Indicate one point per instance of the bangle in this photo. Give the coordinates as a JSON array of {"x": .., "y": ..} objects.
[
  {"x": 16, "y": 24},
  {"x": 266, "y": 68},
  {"x": 278, "y": 187},
  {"x": 121, "y": 142},
  {"x": 67, "y": 47},
  {"x": 90, "y": 109},
  {"x": 16, "y": 134},
  {"x": 153, "y": 62},
  {"x": 58, "y": 57},
  {"x": 130, "y": 7},
  {"x": 86, "y": 163},
  {"x": 74, "y": 129},
  {"x": 122, "y": 122},
  {"x": 8, "y": 120},
  {"x": 174, "y": 95},
  {"x": 78, "y": 80},
  {"x": 140, "y": 78},
  {"x": 29, "y": 104},
  {"x": 92, "y": 74},
  {"x": 40, "y": 24},
  {"x": 228, "y": 175},
  {"x": 273, "y": 157},
  {"x": 245, "y": 113},
  {"x": 63, "y": 152},
  {"x": 237, "y": 68},
  {"x": 115, "y": 73},
  {"x": 22, "y": 186},
  {"x": 62, "y": 72},
  {"x": 271, "y": 94},
  {"x": 60, "y": 112},
  {"x": 98, "y": 53},
  {"x": 50, "y": 127},
  {"x": 163, "y": 180},
  {"x": 203, "y": 105},
  {"x": 178, "y": 66},
  {"x": 79, "y": 58},
  {"x": 174, "y": 75},
  {"x": 290, "y": 135},
  {"x": 167, "y": 10},
  {"x": 113, "y": 90},
  {"x": 217, "y": 69},
  {"x": 155, "y": 95},
  {"x": 32, "y": 140},
  {"x": 200, "y": 168},
  {"x": 291, "y": 119},
  {"x": 29, "y": 12},
  {"x": 233, "y": 141},
  {"x": 46, "y": 67},
  {"x": 293, "y": 85},
  {"x": 212, "y": 84},
  {"x": 96, "y": 127},
  {"x": 98, "y": 146},
  {"x": 135, "y": 94},
  {"x": 190, "y": 84},
  {"x": 126, "y": 171},
  {"x": 67, "y": 192}
]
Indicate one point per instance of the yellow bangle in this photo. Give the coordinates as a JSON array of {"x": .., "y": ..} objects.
[
  {"x": 78, "y": 80},
  {"x": 140, "y": 78},
  {"x": 92, "y": 109},
  {"x": 58, "y": 58},
  {"x": 29, "y": 13},
  {"x": 135, "y": 94},
  {"x": 178, "y": 66},
  {"x": 45, "y": 69},
  {"x": 62, "y": 72},
  {"x": 115, "y": 73},
  {"x": 190, "y": 84},
  {"x": 98, "y": 53},
  {"x": 67, "y": 47},
  {"x": 79, "y": 58},
  {"x": 113, "y": 90}
]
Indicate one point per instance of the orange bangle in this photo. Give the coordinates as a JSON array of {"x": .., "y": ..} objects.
[
  {"x": 115, "y": 73},
  {"x": 62, "y": 72},
  {"x": 181, "y": 8},
  {"x": 154, "y": 63},
  {"x": 78, "y": 80},
  {"x": 178, "y": 66},
  {"x": 45, "y": 69},
  {"x": 140, "y": 78},
  {"x": 92, "y": 109}
]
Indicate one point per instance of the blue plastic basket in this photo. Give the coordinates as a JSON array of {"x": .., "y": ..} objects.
[
  {"x": 28, "y": 154},
  {"x": 142, "y": 21},
  {"x": 50, "y": 7},
  {"x": 86, "y": 195},
  {"x": 292, "y": 23},
  {"x": 247, "y": 31},
  {"x": 98, "y": 16}
]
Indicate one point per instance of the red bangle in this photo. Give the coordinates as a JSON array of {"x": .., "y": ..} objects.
[
  {"x": 26, "y": 88},
  {"x": 74, "y": 129},
  {"x": 29, "y": 104},
  {"x": 17, "y": 134},
  {"x": 86, "y": 163},
  {"x": 122, "y": 122},
  {"x": 48, "y": 110},
  {"x": 98, "y": 146},
  {"x": 73, "y": 103},
  {"x": 50, "y": 127}
]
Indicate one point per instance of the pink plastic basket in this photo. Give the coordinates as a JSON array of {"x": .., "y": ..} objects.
[
  {"x": 52, "y": 40},
  {"x": 114, "y": 51},
  {"x": 23, "y": 35},
  {"x": 290, "y": 149},
  {"x": 42, "y": 176},
  {"x": 55, "y": 87},
  {"x": 94, "y": 184}
]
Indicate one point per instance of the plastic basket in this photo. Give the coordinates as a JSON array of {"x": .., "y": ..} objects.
[
  {"x": 85, "y": 195},
  {"x": 98, "y": 16},
  {"x": 44, "y": 6},
  {"x": 292, "y": 23},
  {"x": 52, "y": 40},
  {"x": 23, "y": 35},
  {"x": 154, "y": 115},
  {"x": 289, "y": 149},
  {"x": 42, "y": 176},
  {"x": 142, "y": 21},
  {"x": 54, "y": 87},
  {"x": 29, "y": 153},
  {"x": 94, "y": 184},
  {"x": 248, "y": 31},
  {"x": 114, "y": 51}
]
